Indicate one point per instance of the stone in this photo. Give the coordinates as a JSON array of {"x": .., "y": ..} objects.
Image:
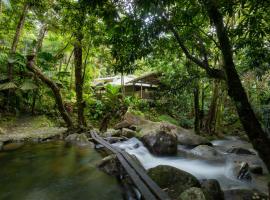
[
  {"x": 173, "y": 180},
  {"x": 206, "y": 152},
  {"x": 79, "y": 139},
  {"x": 241, "y": 171},
  {"x": 160, "y": 142},
  {"x": 128, "y": 133},
  {"x": 192, "y": 193},
  {"x": 240, "y": 151},
  {"x": 112, "y": 133},
  {"x": 112, "y": 140},
  {"x": 212, "y": 190},
  {"x": 186, "y": 137},
  {"x": 122, "y": 124},
  {"x": 12, "y": 146},
  {"x": 244, "y": 194},
  {"x": 256, "y": 169},
  {"x": 110, "y": 165}
]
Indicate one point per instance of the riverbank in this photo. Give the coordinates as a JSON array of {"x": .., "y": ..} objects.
[{"x": 28, "y": 128}]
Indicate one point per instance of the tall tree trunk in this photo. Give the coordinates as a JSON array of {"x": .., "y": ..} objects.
[
  {"x": 252, "y": 126},
  {"x": 211, "y": 116},
  {"x": 16, "y": 40},
  {"x": 79, "y": 78},
  {"x": 56, "y": 91},
  {"x": 196, "y": 109}
]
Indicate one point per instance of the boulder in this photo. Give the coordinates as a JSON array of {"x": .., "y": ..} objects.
[
  {"x": 206, "y": 152},
  {"x": 244, "y": 194},
  {"x": 112, "y": 133},
  {"x": 192, "y": 193},
  {"x": 128, "y": 133},
  {"x": 256, "y": 169},
  {"x": 110, "y": 165},
  {"x": 173, "y": 180},
  {"x": 186, "y": 137},
  {"x": 122, "y": 124},
  {"x": 240, "y": 151},
  {"x": 12, "y": 146},
  {"x": 79, "y": 139},
  {"x": 160, "y": 142},
  {"x": 211, "y": 189},
  {"x": 112, "y": 140},
  {"x": 241, "y": 171}
]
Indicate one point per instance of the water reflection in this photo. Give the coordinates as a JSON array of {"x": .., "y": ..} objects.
[{"x": 54, "y": 171}]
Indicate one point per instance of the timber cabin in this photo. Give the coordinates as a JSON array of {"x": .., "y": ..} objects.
[{"x": 142, "y": 87}]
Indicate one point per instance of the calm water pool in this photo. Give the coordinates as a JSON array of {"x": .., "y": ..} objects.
[{"x": 54, "y": 171}]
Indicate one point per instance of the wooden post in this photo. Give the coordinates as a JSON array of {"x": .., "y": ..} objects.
[{"x": 141, "y": 91}]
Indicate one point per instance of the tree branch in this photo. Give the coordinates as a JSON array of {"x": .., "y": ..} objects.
[{"x": 212, "y": 72}]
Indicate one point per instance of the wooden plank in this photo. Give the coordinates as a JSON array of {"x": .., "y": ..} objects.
[
  {"x": 134, "y": 169},
  {"x": 148, "y": 181},
  {"x": 146, "y": 193}
]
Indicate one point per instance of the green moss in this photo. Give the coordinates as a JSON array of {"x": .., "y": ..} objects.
[{"x": 168, "y": 118}]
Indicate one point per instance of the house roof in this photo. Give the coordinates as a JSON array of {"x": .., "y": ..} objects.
[{"x": 152, "y": 78}]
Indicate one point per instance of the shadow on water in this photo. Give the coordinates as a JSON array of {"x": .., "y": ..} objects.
[{"x": 54, "y": 171}]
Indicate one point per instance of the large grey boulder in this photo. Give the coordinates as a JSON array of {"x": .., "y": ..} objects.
[
  {"x": 192, "y": 193},
  {"x": 212, "y": 190},
  {"x": 206, "y": 152},
  {"x": 160, "y": 142},
  {"x": 79, "y": 139},
  {"x": 187, "y": 137},
  {"x": 173, "y": 180},
  {"x": 128, "y": 133}
]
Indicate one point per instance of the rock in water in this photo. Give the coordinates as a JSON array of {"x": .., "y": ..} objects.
[
  {"x": 206, "y": 152},
  {"x": 244, "y": 194},
  {"x": 212, "y": 190},
  {"x": 173, "y": 180},
  {"x": 160, "y": 142},
  {"x": 240, "y": 151},
  {"x": 193, "y": 193},
  {"x": 128, "y": 133},
  {"x": 110, "y": 165},
  {"x": 12, "y": 146},
  {"x": 79, "y": 139},
  {"x": 186, "y": 137},
  {"x": 241, "y": 171},
  {"x": 244, "y": 173}
]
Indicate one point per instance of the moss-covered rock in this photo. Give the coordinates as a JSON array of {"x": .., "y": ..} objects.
[
  {"x": 173, "y": 180},
  {"x": 79, "y": 139},
  {"x": 160, "y": 142},
  {"x": 212, "y": 190},
  {"x": 193, "y": 193}
]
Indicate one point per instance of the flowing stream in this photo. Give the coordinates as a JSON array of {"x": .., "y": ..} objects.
[
  {"x": 220, "y": 169},
  {"x": 54, "y": 171}
]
